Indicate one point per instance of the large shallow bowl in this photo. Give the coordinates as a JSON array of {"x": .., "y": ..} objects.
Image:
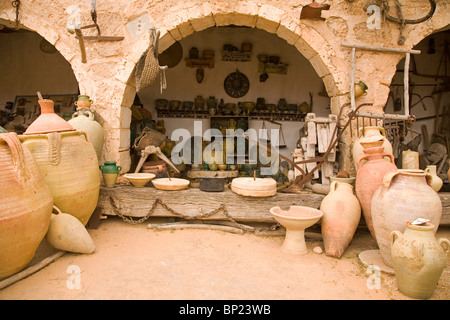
[
  {"x": 170, "y": 184},
  {"x": 139, "y": 180}
]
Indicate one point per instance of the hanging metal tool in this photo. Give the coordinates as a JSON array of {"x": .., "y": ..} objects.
[{"x": 76, "y": 28}]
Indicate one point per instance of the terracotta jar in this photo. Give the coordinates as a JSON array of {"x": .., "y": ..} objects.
[
  {"x": 341, "y": 215},
  {"x": 403, "y": 196},
  {"x": 83, "y": 102},
  {"x": 83, "y": 120},
  {"x": 48, "y": 120},
  {"x": 25, "y": 205},
  {"x": 410, "y": 159},
  {"x": 369, "y": 177},
  {"x": 70, "y": 167},
  {"x": 436, "y": 182},
  {"x": 418, "y": 259},
  {"x": 373, "y": 132}
]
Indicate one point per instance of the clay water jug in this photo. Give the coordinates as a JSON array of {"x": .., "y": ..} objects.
[
  {"x": 404, "y": 195},
  {"x": 67, "y": 233},
  {"x": 373, "y": 132},
  {"x": 83, "y": 120},
  {"x": 70, "y": 166},
  {"x": 436, "y": 182},
  {"x": 83, "y": 102},
  {"x": 369, "y": 177},
  {"x": 410, "y": 159},
  {"x": 110, "y": 172},
  {"x": 25, "y": 205},
  {"x": 418, "y": 259},
  {"x": 341, "y": 215}
]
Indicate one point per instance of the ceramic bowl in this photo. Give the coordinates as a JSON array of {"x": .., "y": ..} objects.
[
  {"x": 139, "y": 180},
  {"x": 170, "y": 184}
]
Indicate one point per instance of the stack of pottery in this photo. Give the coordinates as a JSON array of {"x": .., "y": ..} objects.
[
  {"x": 25, "y": 205},
  {"x": 404, "y": 195},
  {"x": 418, "y": 259},
  {"x": 371, "y": 169},
  {"x": 371, "y": 132},
  {"x": 68, "y": 161},
  {"x": 83, "y": 120},
  {"x": 341, "y": 215}
]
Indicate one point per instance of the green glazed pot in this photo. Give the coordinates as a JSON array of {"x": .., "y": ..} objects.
[{"x": 110, "y": 171}]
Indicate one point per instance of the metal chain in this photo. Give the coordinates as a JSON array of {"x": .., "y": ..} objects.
[
  {"x": 188, "y": 217},
  {"x": 16, "y": 4}
]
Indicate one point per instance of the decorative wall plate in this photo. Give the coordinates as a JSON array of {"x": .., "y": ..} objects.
[{"x": 236, "y": 84}]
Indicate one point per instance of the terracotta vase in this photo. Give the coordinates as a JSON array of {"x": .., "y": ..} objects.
[
  {"x": 48, "y": 121},
  {"x": 25, "y": 205},
  {"x": 70, "y": 167},
  {"x": 418, "y": 259},
  {"x": 83, "y": 102},
  {"x": 404, "y": 195},
  {"x": 67, "y": 233},
  {"x": 373, "y": 132},
  {"x": 83, "y": 120},
  {"x": 436, "y": 182},
  {"x": 341, "y": 215},
  {"x": 369, "y": 177}
]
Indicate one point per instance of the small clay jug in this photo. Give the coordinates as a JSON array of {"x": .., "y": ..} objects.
[
  {"x": 360, "y": 89},
  {"x": 83, "y": 102},
  {"x": 436, "y": 182},
  {"x": 341, "y": 215},
  {"x": 410, "y": 159},
  {"x": 110, "y": 172},
  {"x": 418, "y": 259}
]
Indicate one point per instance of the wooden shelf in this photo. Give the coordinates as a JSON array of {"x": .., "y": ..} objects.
[
  {"x": 236, "y": 56},
  {"x": 199, "y": 63},
  {"x": 267, "y": 67}
]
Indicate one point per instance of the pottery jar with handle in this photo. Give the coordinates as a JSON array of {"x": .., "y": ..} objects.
[
  {"x": 436, "y": 182},
  {"x": 369, "y": 177},
  {"x": 341, "y": 215},
  {"x": 70, "y": 166},
  {"x": 404, "y": 195},
  {"x": 83, "y": 120},
  {"x": 373, "y": 132},
  {"x": 25, "y": 205},
  {"x": 110, "y": 172},
  {"x": 418, "y": 259}
]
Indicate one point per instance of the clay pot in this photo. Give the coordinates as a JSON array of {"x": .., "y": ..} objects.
[
  {"x": 25, "y": 205},
  {"x": 341, "y": 215},
  {"x": 83, "y": 120},
  {"x": 369, "y": 177},
  {"x": 110, "y": 171},
  {"x": 436, "y": 182},
  {"x": 404, "y": 195},
  {"x": 374, "y": 133},
  {"x": 418, "y": 259},
  {"x": 70, "y": 167},
  {"x": 48, "y": 121},
  {"x": 67, "y": 233},
  {"x": 83, "y": 102},
  {"x": 410, "y": 159},
  {"x": 360, "y": 89}
]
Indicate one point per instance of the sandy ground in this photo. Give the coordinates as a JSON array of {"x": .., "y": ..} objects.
[{"x": 137, "y": 262}]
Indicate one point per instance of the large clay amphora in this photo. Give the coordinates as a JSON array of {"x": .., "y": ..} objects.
[
  {"x": 369, "y": 177},
  {"x": 70, "y": 167},
  {"x": 418, "y": 259},
  {"x": 369, "y": 132},
  {"x": 25, "y": 205},
  {"x": 403, "y": 196},
  {"x": 341, "y": 215},
  {"x": 83, "y": 120}
]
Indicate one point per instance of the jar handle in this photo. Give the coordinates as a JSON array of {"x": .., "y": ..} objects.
[
  {"x": 382, "y": 131},
  {"x": 57, "y": 209},
  {"x": 390, "y": 155},
  {"x": 333, "y": 186},
  {"x": 444, "y": 242},
  {"x": 358, "y": 161},
  {"x": 54, "y": 148},
  {"x": 119, "y": 168},
  {"x": 18, "y": 158},
  {"x": 394, "y": 236},
  {"x": 386, "y": 183}
]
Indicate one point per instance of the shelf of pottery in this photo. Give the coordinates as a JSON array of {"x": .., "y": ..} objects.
[{"x": 204, "y": 109}]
